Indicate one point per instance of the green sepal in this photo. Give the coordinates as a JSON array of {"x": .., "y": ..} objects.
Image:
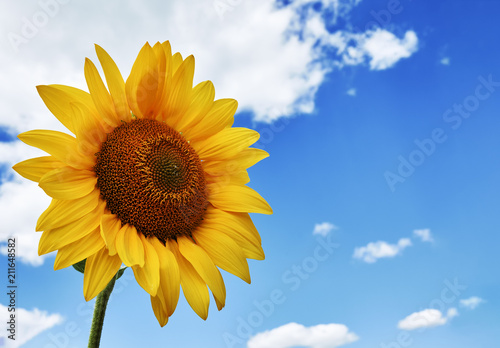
[
  {"x": 80, "y": 266},
  {"x": 120, "y": 272}
]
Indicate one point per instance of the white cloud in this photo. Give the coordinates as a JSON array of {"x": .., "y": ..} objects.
[
  {"x": 351, "y": 92},
  {"x": 28, "y": 324},
  {"x": 385, "y": 49},
  {"x": 452, "y": 312},
  {"x": 373, "y": 251},
  {"x": 445, "y": 61},
  {"x": 426, "y": 318},
  {"x": 323, "y": 229},
  {"x": 424, "y": 234},
  {"x": 22, "y": 203},
  {"x": 293, "y": 335},
  {"x": 471, "y": 302},
  {"x": 381, "y": 48},
  {"x": 271, "y": 59}
]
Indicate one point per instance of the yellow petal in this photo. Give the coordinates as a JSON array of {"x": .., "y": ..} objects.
[
  {"x": 79, "y": 250},
  {"x": 240, "y": 221},
  {"x": 250, "y": 250},
  {"x": 220, "y": 116},
  {"x": 202, "y": 100},
  {"x": 148, "y": 276},
  {"x": 219, "y": 304},
  {"x": 129, "y": 246},
  {"x": 225, "y": 144},
  {"x": 239, "y": 178},
  {"x": 176, "y": 62},
  {"x": 110, "y": 226},
  {"x": 57, "y": 98},
  {"x": 116, "y": 84},
  {"x": 244, "y": 160},
  {"x": 62, "y": 212},
  {"x": 194, "y": 288},
  {"x": 239, "y": 227},
  {"x": 167, "y": 83},
  {"x": 100, "y": 96},
  {"x": 238, "y": 198},
  {"x": 162, "y": 71},
  {"x": 179, "y": 97},
  {"x": 142, "y": 84},
  {"x": 68, "y": 183},
  {"x": 204, "y": 265},
  {"x": 100, "y": 268},
  {"x": 90, "y": 131},
  {"x": 224, "y": 252},
  {"x": 159, "y": 310},
  {"x": 168, "y": 51},
  {"x": 34, "y": 168},
  {"x": 58, "y": 237},
  {"x": 62, "y": 146},
  {"x": 169, "y": 277}
]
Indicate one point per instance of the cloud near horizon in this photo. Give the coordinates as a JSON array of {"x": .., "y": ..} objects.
[
  {"x": 30, "y": 324},
  {"x": 293, "y": 335}
]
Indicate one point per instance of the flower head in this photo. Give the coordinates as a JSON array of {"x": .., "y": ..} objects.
[{"x": 153, "y": 177}]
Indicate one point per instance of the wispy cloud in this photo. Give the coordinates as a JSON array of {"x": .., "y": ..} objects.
[
  {"x": 252, "y": 41},
  {"x": 381, "y": 249},
  {"x": 351, "y": 92},
  {"x": 30, "y": 324},
  {"x": 471, "y": 302},
  {"x": 424, "y": 235},
  {"x": 380, "y": 48},
  {"x": 426, "y": 318},
  {"x": 445, "y": 61},
  {"x": 324, "y": 228},
  {"x": 377, "y": 250},
  {"x": 293, "y": 335}
]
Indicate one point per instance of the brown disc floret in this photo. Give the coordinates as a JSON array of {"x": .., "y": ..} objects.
[{"x": 152, "y": 179}]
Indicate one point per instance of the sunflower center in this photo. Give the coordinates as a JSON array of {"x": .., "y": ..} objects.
[{"x": 152, "y": 179}]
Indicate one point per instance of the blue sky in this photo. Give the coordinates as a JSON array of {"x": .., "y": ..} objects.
[{"x": 381, "y": 118}]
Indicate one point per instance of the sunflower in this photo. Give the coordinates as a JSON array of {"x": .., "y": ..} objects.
[{"x": 154, "y": 177}]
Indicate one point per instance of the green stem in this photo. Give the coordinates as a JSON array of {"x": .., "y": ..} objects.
[{"x": 99, "y": 311}]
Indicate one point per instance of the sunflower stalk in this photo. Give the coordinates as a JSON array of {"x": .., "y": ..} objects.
[{"x": 101, "y": 303}]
